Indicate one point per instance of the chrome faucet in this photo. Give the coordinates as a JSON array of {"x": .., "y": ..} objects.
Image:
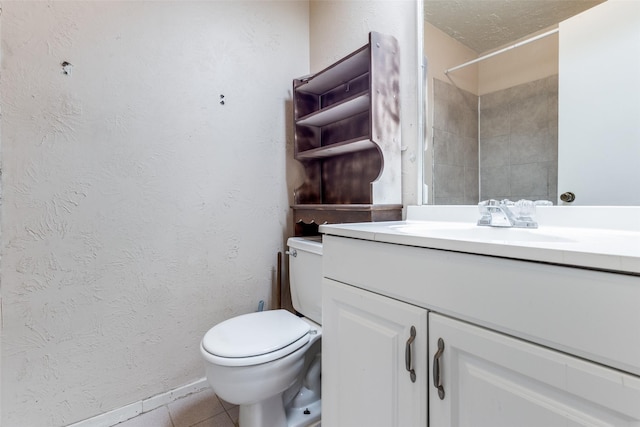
[{"x": 505, "y": 213}]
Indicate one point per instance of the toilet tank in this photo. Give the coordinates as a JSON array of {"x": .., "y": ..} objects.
[{"x": 305, "y": 276}]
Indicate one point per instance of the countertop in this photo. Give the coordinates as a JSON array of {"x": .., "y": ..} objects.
[{"x": 601, "y": 238}]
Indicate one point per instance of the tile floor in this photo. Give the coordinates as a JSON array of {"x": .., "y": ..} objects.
[{"x": 201, "y": 409}]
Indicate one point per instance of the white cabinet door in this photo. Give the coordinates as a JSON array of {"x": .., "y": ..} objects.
[
  {"x": 490, "y": 379},
  {"x": 364, "y": 355}
]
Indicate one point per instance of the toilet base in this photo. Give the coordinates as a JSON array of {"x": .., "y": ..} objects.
[
  {"x": 271, "y": 413},
  {"x": 266, "y": 413},
  {"x": 297, "y": 417}
]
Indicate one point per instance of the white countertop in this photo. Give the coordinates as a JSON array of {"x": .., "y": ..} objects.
[{"x": 603, "y": 238}]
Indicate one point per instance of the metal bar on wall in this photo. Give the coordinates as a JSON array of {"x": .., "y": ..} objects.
[{"x": 497, "y": 52}]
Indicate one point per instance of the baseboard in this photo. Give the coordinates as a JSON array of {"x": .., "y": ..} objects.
[
  {"x": 132, "y": 410},
  {"x": 167, "y": 397}
]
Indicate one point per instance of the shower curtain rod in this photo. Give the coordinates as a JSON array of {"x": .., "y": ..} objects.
[{"x": 497, "y": 52}]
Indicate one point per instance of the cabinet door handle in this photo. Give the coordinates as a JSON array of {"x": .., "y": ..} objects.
[
  {"x": 407, "y": 355},
  {"x": 437, "y": 379}
]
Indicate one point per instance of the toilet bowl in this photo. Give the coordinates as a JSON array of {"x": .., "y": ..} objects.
[{"x": 268, "y": 362}]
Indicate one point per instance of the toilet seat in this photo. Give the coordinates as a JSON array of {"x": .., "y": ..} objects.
[{"x": 255, "y": 338}]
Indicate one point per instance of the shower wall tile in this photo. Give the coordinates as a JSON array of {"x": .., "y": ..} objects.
[
  {"x": 552, "y": 109},
  {"x": 527, "y": 90},
  {"x": 529, "y": 179},
  {"x": 494, "y": 120},
  {"x": 533, "y": 147},
  {"x": 448, "y": 148},
  {"x": 471, "y": 187},
  {"x": 529, "y": 114},
  {"x": 450, "y": 201},
  {"x": 519, "y": 141},
  {"x": 552, "y": 179},
  {"x": 495, "y": 151},
  {"x": 515, "y": 146},
  {"x": 455, "y": 145},
  {"x": 495, "y": 99},
  {"x": 450, "y": 181},
  {"x": 471, "y": 151},
  {"x": 455, "y": 150},
  {"x": 494, "y": 182},
  {"x": 455, "y": 110}
]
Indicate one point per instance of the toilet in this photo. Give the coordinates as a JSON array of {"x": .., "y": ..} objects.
[{"x": 268, "y": 362}]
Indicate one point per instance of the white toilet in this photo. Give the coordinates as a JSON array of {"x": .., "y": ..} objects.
[{"x": 268, "y": 362}]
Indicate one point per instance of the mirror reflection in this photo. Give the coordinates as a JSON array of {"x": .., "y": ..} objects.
[{"x": 492, "y": 95}]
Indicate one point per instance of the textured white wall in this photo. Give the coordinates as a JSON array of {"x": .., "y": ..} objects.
[
  {"x": 138, "y": 211},
  {"x": 527, "y": 63},
  {"x": 338, "y": 27},
  {"x": 444, "y": 52}
]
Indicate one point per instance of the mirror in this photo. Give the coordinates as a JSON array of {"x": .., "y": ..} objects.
[{"x": 492, "y": 126}]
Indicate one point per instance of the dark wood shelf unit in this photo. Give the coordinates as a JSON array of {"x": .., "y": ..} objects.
[{"x": 347, "y": 136}]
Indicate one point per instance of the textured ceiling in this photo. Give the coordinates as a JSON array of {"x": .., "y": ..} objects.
[{"x": 484, "y": 25}]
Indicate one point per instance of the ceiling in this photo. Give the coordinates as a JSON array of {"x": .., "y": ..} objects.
[{"x": 484, "y": 25}]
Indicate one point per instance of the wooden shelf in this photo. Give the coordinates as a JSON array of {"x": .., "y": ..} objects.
[
  {"x": 340, "y": 72},
  {"x": 309, "y": 216},
  {"x": 349, "y": 107},
  {"x": 351, "y": 173},
  {"x": 331, "y": 214},
  {"x": 351, "y": 146}
]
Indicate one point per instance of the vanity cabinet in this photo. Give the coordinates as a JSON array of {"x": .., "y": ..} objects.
[
  {"x": 347, "y": 137},
  {"x": 524, "y": 343},
  {"x": 374, "y": 359},
  {"x": 491, "y": 379}
]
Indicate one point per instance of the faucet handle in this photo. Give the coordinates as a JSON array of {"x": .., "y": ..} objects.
[
  {"x": 505, "y": 213},
  {"x": 525, "y": 209},
  {"x": 526, "y": 214},
  {"x": 485, "y": 204},
  {"x": 485, "y": 215}
]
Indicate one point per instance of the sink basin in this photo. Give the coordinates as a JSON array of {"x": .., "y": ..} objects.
[{"x": 458, "y": 231}]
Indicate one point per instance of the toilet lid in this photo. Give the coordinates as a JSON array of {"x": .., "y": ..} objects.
[{"x": 257, "y": 334}]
